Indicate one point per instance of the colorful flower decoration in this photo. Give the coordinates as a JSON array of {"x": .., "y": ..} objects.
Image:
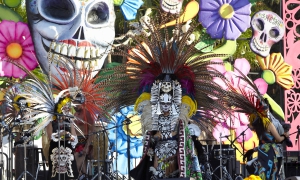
[
  {"x": 15, "y": 45},
  {"x": 275, "y": 69},
  {"x": 226, "y": 19},
  {"x": 118, "y": 135},
  {"x": 239, "y": 121},
  {"x": 129, "y": 7}
]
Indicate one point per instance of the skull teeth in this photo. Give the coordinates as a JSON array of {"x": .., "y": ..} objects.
[
  {"x": 170, "y": 4},
  {"x": 80, "y": 52},
  {"x": 260, "y": 46},
  {"x": 71, "y": 50}
]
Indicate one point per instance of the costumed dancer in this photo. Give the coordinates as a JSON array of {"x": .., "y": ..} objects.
[
  {"x": 168, "y": 86},
  {"x": 52, "y": 114},
  {"x": 63, "y": 140},
  {"x": 88, "y": 103},
  {"x": 251, "y": 102}
]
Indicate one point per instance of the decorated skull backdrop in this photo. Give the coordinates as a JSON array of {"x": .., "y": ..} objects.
[
  {"x": 171, "y": 6},
  {"x": 82, "y": 30},
  {"x": 268, "y": 28}
]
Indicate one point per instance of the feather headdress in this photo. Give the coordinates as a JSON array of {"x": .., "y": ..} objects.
[{"x": 169, "y": 54}]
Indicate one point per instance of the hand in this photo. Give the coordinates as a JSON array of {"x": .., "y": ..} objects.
[{"x": 286, "y": 134}]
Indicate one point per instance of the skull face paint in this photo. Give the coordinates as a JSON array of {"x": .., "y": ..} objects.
[
  {"x": 267, "y": 29},
  {"x": 82, "y": 30},
  {"x": 171, "y": 6}
]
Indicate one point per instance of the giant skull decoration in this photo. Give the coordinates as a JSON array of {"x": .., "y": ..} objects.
[
  {"x": 171, "y": 6},
  {"x": 268, "y": 28},
  {"x": 82, "y": 30}
]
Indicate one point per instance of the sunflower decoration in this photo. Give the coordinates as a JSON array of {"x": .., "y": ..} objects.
[{"x": 275, "y": 69}]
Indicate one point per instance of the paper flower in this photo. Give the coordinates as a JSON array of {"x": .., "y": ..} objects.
[
  {"x": 118, "y": 137},
  {"x": 276, "y": 69},
  {"x": 238, "y": 121},
  {"x": 226, "y": 19},
  {"x": 129, "y": 7},
  {"x": 15, "y": 45}
]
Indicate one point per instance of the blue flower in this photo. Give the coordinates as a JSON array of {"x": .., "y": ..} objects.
[
  {"x": 117, "y": 135},
  {"x": 228, "y": 18},
  {"x": 129, "y": 7}
]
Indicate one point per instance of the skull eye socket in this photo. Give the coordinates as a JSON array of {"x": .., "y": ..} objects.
[
  {"x": 98, "y": 14},
  {"x": 259, "y": 24},
  {"x": 57, "y": 11},
  {"x": 274, "y": 33}
]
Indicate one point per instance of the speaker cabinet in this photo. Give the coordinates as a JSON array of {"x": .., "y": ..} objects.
[{"x": 292, "y": 169}]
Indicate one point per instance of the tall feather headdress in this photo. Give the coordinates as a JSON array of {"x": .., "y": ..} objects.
[{"x": 165, "y": 53}]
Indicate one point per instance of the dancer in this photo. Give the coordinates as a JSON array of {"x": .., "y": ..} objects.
[
  {"x": 63, "y": 137},
  {"x": 251, "y": 102},
  {"x": 168, "y": 85}
]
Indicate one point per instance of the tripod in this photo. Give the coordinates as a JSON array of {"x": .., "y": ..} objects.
[{"x": 25, "y": 164}]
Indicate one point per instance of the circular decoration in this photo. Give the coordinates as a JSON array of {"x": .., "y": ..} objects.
[
  {"x": 14, "y": 50},
  {"x": 268, "y": 76},
  {"x": 194, "y": 129},
  {"x": 226, "y": 11}
]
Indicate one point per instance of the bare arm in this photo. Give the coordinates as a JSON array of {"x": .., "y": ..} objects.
[
  {"x": 274, "y": 132},
  {"x": 49, "y": 130}
]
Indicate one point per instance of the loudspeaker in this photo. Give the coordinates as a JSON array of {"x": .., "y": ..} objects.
[
  {"x": 31, "y": 162},
  {"x": 293, "y": 178},
  {"x": 291, "y": 169}
]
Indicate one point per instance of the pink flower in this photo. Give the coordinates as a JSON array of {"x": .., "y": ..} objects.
[
  {"x": 222, "y": 131},
  {"x": 16, "y": 45},
  {"x": 238, "y": 121}
]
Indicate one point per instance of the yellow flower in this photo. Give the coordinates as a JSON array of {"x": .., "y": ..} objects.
[
  {"x": 252, "y": 177},
  {"x": 276, "y": 64}
]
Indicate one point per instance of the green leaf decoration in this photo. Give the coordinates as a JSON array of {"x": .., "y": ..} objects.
[
  {"x": 39, "y": 73},
  {"x": 8, "y": 14},
  {"x": 12, "y": 3}
]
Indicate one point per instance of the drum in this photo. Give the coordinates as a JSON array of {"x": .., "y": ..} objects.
[
  {"x": 100, "y": 140},
  {"x": 226, "y": 153}
]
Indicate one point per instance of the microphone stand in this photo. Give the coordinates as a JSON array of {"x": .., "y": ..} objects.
[
  {"x": 243, "y": 146},
  {"x": 127, "y": 121},
  {"x": 25, "y": 154}
]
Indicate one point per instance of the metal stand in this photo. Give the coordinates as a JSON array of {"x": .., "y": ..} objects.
[{"x": 25, "y": 164}]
